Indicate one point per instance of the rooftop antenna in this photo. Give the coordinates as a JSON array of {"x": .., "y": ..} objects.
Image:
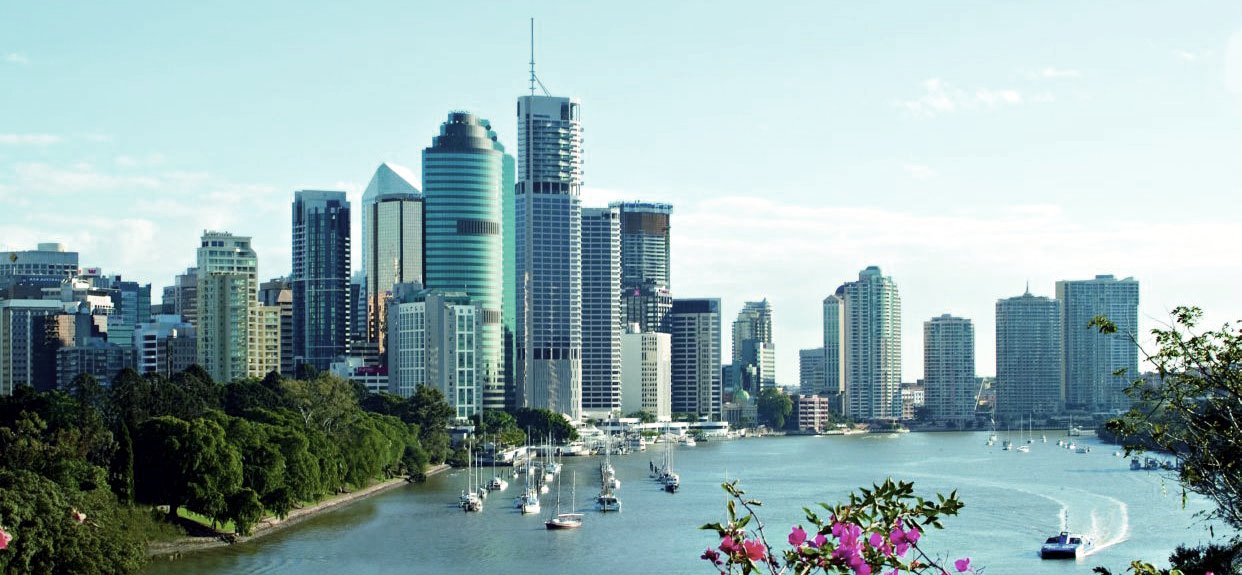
[{"x": 534, "y": 79}]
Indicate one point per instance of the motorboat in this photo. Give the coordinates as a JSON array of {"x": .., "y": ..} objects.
[
  {"x": 607, "y": 501},
  {"x": 1066, "y": 545},
  {"x": 1024, "y": 449}
]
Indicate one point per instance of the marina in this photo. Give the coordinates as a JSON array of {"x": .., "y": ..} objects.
[{"x": 1013, "y": 504}]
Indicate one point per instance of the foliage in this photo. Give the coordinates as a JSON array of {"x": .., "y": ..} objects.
[
  {"x": 500, "y": 425},
  {"x": 773, "y": 405},
  {"x": 878, "y": 528},
  {"x": 642, "y": 416},
  {"x": 545, "y": 424},
  {"x": 1195, "y": 410}
]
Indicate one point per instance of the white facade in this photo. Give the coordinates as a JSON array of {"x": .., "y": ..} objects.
[
  {"x": 647, "y": 374},
  {"x": 228, "y": 287},
  {"x": 872, "y": 347},
  {"x": 433, "y": 340},
  {"x": 166, "y": 345}
]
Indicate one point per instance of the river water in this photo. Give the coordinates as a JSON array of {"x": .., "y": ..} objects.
[{"x": 1013, "y": 501}]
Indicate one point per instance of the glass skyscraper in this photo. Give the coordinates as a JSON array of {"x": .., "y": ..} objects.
[
  {"x": 463, "y": 173},
  {"x": 320, "y": 277},
  {"x": 601, "y": 310},
  {"x": 645, "y": 282},
  {"x": 392, "y": 242},
  {"x": 548, "y": 239},
  {"x": 754, "y": 353}
]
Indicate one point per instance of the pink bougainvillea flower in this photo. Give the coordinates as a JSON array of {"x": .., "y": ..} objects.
[
  {"x": 4, "y": 539},
  {"x": 754, "y": 549},
  {"x": 819, "y": 541},
  {"x": 862, "y": 569},
  {"x": 912, "y": 535},
  {"x": 876, "y": 540},
  {"x": 962, "y": 565},
  {"x": 710, "y": 555},
  {"x": 797, "y": 536},
  {"x": 728, "y": 545}
]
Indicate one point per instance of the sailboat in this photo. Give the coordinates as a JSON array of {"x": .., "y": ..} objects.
[
  {"x": 1008, "y": 445},
  {"x": 497, "y": 483},
  {"x": 569, "y": 520},
  {"x": 670, "y": 479},
  {"x": 470, "y": 500},
  {"x": 607, "y": 500},
  {"x": 528, "y": 501}
]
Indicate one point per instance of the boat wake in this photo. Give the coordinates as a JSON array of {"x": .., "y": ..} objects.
[{"x": 1098, "y": 526}]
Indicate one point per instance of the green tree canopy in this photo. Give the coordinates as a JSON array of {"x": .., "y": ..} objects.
[{"x": 773, "y": 406}]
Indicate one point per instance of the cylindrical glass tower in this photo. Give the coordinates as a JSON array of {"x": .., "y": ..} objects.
[{"x": 462, "y": 175}]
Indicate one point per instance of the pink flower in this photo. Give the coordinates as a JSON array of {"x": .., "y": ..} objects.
[
  {"x": 4, "y": 539},
  {"x": 797, "y": 536},
  {"x": 819, "y": 540},
  {"x": 754, "y": 549},
  {"x": 962, "y": 565},
  {"x": 710, "y": 555},
  {"x": 876, "y": 540},
  {"x": 862, "y": 569},
  {"x": 728, "y": 545}
]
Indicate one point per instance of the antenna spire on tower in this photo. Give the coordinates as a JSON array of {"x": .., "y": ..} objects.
[{"x": 532, "y": 57}]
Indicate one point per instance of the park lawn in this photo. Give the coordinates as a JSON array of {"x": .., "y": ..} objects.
[{"x": 184, "y": 513}]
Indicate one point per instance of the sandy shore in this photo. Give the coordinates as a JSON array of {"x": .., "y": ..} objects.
[{"x": 174, "y": 549}]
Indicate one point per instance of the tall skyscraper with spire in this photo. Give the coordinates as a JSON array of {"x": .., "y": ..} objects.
[
  {"x": 392, "y": 241},
  {"x": 462, "y": 179},
  {"x": 548, "y": 214}
]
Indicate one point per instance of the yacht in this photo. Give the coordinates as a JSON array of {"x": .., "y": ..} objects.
[
  {"x": 1065, "y": 546},
  {"x": 1024, "y": 449},
  {"x": 607, "y": 501},
  {"x": 561, "y": 520}
]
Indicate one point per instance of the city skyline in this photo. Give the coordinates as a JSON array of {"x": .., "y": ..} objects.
[{"x": 927, "y": 210}]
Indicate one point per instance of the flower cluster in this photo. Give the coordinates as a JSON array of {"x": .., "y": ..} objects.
[
  {"x": 878, "y": 532},
  {"x": 4, "y": 539}
]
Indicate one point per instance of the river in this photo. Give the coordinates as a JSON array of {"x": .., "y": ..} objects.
[{"x": 1013, "y": 501}]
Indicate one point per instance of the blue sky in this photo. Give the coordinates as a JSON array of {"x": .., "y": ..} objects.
[{"x": 964, "y": 147}]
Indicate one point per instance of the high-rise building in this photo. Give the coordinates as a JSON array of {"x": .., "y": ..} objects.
[
  {"x": 834, "y": 347},
  {"x": 166, "y": 345},
  {"x": 508, "y": 182},
  {"x": 696, "y": 381},
  {"x": 463, "y": 172},
  {"x": 21, "y": 333},
  {"x": 227, "y": 289},
  {"x": 434, "y": 340},
  {"x": 549, "y": 255},
  {"x": 320, "y": 277},
  {"x": 96, "y": 357},
  {"x": 24, "y": 273},
  {"x": 601, "y": 311},
  {"x": 645, "y": 277},
  {"x": 872, "y": 347},
  {"x": 754, "y": 354},
  {"x": 185, "y": 295},
  {"x": 263, "y": 343},
  {"x": 132, "y": 308},
  {"x": 392, "y": 241},
  {"x": 647, "y": 373},
  {"x": 811, "y": 371},
  {"x": 949, "y": 368},
  {"x": 1091, "y": 359},
  {"x": 1028, "y": 358},
  {"x": 278, "y": 292}
]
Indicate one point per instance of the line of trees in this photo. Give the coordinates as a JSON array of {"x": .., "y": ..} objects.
[{"x": 81, "y": 468}]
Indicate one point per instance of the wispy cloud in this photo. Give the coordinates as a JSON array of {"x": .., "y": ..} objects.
[
  {"x": 1192, "y": 56},
  {"x": 940, "y": 97},
  {"x": 919, "y": 171},
  {"x": 28, "y": 139},
  {"x": 17, "y": 58},
  {"x": 1052, "y": 72}
]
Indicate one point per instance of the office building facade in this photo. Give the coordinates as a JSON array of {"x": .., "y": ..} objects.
[
  {"x": 695, "y": 338},
  {"x": 601, "y": 310},
  {"x": 392, "y": 241},
  {"x": 320, "y": 277},
  {"x": 1028, "y": 358},
  {"x": 949, "y": 369},
  {"x": 1091, "y": 359},
  {"x": 872, "y": 347}
]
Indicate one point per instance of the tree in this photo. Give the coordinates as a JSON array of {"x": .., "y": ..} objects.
[
  {"x": 545, "y": 424},
  {"x": 773, "y": 406},
  {"x": 325, "y": 402},
  {"x": 1194, "y": 410},
  {"x": 186, "y": 463},
  {"x": 121, "y": 473},
  {"x": 642, "y": 416}
]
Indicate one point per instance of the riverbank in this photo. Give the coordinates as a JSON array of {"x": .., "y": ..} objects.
[{"x": 179, "y": 547}]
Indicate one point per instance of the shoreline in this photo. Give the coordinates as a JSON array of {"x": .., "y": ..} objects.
[{"x": 172, "y": 550}]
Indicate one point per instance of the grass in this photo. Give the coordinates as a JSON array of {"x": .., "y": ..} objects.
[{"x": 205, "y": 521}]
